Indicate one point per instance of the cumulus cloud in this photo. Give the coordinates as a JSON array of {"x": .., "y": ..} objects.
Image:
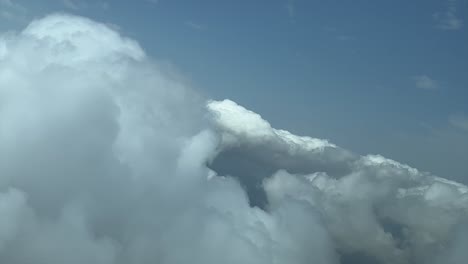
[{"x": 107, "y": 159}]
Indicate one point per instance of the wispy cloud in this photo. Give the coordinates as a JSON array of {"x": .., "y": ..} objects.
[
  {"x": 337, "y": 33},
  {"x": 459, "y": 121},
  {"x": 291, "y": 8},
  {"x": 448, "y": 20},
  {"x": 7, "y": 3},
  {"x": 103, "y": 5},
  {"x": 343, "y": 37},
  {"x": 195, "y": 25},
  {"x": 425, "y": 82},
  {"x": 79, "y": 4},
  {"x": 70, "y": 4},
  {"x": 12, "y": 11}
]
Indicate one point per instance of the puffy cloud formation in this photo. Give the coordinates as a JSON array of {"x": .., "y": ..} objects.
[{"x": 105, "y": 158}]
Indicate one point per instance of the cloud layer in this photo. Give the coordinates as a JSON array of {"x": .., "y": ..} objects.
[{"x": 107, "y": 158}]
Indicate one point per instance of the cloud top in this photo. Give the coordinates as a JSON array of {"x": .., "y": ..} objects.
[{"x": 105, "y": 158}]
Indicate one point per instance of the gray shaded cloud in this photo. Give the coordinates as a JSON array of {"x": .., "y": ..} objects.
[
  {"x": 370, "y": 197},
  {"x": 107, "y": 159}
]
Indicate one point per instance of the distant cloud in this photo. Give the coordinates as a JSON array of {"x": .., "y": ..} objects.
[
  {"x": 345, "y": 37},
  {"x": 80, "y": 4},
  {"x": 425, "y": 82},
  {"x": 6, "y": 3},
  {"x": 291, "y": 8},
  {"x": 103, "y": 5},
  {"x": 459, "y": 121},
  {"x": 329, "y": 28},
  {"x": 195, "y": 25},
  {"x": 338, "y": 33},
  {"x": 448, "y": 20},
  {"x": 152, "y": 1},
  {"x": 70, "y": 4},
  {"x": 12, "y": 11}
]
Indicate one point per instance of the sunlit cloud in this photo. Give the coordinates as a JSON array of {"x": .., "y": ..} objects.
[{"x": 106, "y": 158}]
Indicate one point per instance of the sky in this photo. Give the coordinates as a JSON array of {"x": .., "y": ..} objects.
[
  {"x": 374, "y": 76},
  {"x": 268, "y": 133}
]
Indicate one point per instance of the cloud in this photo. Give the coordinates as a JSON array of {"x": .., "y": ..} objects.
[
  {"x": 459, "y": 122},
  {"x": 338, "y": 34},
  {"x": 357, "y": 197},
  {"x": 291, "y": 8},
  {"x": 194, "y": 25},
  {"x": 425, "y": 82},
  {"x": 345, "y": 37},
  {"x": 12, "y": 11},
  {"x": 79, "y": 4},
  {"x": 449, "y": 19},
  {"x": 108, "y": 159},
  {"x": 70, "y": 4}
]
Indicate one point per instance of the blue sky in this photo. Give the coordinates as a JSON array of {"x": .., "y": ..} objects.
[{"x": 387, "y": 77}]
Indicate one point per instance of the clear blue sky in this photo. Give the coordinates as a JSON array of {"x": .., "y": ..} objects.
[{"x": 385, "y": 77}]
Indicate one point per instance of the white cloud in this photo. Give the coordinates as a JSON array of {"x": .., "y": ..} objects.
[
  {"x": 370, "y": 197},
  {"x": 425, "y": 82},
  {"x": 106, "y": 159},
  {"x": 449, "y": 20}
]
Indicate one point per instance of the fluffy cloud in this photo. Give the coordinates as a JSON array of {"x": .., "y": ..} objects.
[
  {"x": 375, "y": 209},
  {"x": 105, "y": 158}
]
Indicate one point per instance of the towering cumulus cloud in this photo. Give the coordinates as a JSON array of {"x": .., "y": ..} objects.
[{"x": 107, "y": 158}]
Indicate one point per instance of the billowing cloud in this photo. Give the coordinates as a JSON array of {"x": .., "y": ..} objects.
[{"x": 107, "y": 159}]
